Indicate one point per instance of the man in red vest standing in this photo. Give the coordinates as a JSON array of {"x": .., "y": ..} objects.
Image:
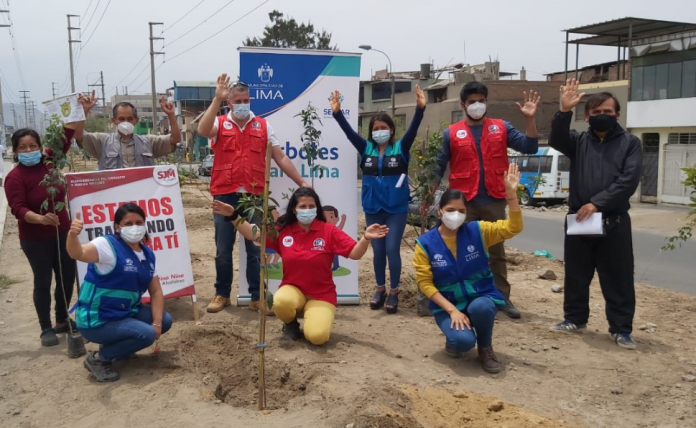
[
  {"x": 239, "y": 140},
  {"x": 476, "y": 150}
]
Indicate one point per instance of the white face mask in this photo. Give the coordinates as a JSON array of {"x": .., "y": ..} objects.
[
  {"x": 126, "y": 128},
  {"x": 133, "y": 234},
  {"x": 453, "y": 220},
  {"x": 476, "y": 110}
]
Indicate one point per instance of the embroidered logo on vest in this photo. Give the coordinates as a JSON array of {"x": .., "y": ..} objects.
[
  {"x": 319, "y": 245},
  {"x": 462, "y": 133},
  {"x": 439, "y": 262},
  {"x": 129, "y": 266},
  {"x": 288, "y": 241},
  {"x": 227, "y": 125},
  {"x": 472, "y": 254},
  {"x": 494, "y": 129}
]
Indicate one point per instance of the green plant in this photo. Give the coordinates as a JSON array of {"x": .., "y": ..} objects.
[
  {"x": 425, "y": 173},
  {"x": 6, "y": 281},
  {"x": 685, "y": 232},
  {"x": 534, "y": 183},
  {"x": 311, "y": 138}
]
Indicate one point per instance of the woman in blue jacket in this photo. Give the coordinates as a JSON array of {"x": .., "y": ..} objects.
[
  {"x": 109, "y": 308},
  {"x": 385, "y": 190}
]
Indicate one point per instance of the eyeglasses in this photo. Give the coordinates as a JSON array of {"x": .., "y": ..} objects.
[{"x": 238, "y": 84}]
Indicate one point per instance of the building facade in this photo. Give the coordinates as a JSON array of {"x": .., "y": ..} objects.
[
  {"x": 191, "y": 100},
  {"x": 662, "y": 113}
]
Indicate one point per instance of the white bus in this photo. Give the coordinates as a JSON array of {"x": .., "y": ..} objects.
[{"x": 545, "y": 176}]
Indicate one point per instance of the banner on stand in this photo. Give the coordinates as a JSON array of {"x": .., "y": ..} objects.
[
  {"x": 97, "y": 195},
  {"x": 282, "y": 83}
]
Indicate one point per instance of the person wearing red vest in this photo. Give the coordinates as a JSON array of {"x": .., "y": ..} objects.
[
  {"x": 239, "y": 140},
  {"x": 476, "y": 151}
]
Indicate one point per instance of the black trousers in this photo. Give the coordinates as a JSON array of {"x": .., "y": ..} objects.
[
  {"x": 612, "y": 256},
  {"x": 44, "y": 261}
]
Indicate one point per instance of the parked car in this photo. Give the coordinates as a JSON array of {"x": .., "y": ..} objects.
[
  {"x": 414, "y": 209},
  {"x": 205, "y": 169}
]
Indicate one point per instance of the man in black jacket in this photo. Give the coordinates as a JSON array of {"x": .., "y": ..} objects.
[{"x": 605, "y": 171}]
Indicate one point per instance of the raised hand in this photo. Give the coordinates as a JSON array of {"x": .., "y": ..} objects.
[
  {"x": 420, "y": 97},
  {"x": 167, "y": 107},
  {"x": 529, "y": 104},
  {"x": 376, "y": 231},
  {"x": 76, "y": 226},
  {"x": 335, "y": 99},
  {"x": 87, "y": 101},
  {"x": 570, "y": 97},
  {"x": 222, "y": 90},
  {"x": 512, "y": 180},
  {"x": 221, "y": 208}
]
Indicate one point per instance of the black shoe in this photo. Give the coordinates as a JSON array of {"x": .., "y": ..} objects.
[
  {"x": 510, "y": 310},
  {"x": 49, "y": 337},
  {"x": 291, "y": 331},
  {"x": 102, "y": 370},
  {"x": 64, "y": 328}
]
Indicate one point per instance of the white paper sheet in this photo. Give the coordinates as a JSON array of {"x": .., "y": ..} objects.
[{"x": 591, "y": 226}]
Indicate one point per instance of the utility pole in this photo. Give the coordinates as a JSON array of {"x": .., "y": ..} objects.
[
  {"x": 70, "y": 44},
  {"x": 152, "y": 73},
  {"x": 32, "y": 111},
  {"x": 103, "y": 97},
  {"x": 25, "y": 99},
  {"x": 54, "y": 89},
  {"x": 2, "y": 116}
]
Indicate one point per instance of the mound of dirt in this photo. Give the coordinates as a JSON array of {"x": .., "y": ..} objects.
[
  {"x": 229, "y": 366},
  {"x": 411, "y": 407}
]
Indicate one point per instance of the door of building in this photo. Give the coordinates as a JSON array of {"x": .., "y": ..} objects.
[{"x": 651, "y": 156}]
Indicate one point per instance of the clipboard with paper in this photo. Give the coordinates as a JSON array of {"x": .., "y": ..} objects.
[{"x": 593, "y": 226}]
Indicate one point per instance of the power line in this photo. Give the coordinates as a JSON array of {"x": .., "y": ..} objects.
[
  {"x": 147, "y": 78},
  {"x": 132, "y": 69},
  {"x": 201, "y": 23},
  {"x": 225, "y": 28},
  {"x": 97, "y": 27},
  {"x": 15, "y": 49},
  {"x": 89, "y": 21},
  {"x": 183, "y": 16},
  {"x": 139, "y": 74},
  {"x": 87, "y": 10}
]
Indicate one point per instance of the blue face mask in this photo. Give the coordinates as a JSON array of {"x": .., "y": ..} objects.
[
  {"x": 29, "y": 159},
  {"x": 381, "y": 137},
  {"x": 241, "y": 111},
  {"x": 306, "y": 216}
]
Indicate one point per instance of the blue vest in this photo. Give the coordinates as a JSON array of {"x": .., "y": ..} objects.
[
  {"x": 468, "y": 277},
  {"x": 115, "y": 295},
  {"x": 380, "y": 177}
]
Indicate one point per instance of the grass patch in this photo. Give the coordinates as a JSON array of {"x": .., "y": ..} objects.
[{"x": 6, "y": 281}]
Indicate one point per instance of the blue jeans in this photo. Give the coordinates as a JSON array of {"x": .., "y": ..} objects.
[
  {"x": 481, "y": 313},
  {"x": 120, "y": 339},
  {"x": 388, "y": 247},
  {"x": 225, "y": 236}
]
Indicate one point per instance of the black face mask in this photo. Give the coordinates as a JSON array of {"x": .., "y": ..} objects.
[{"x": 602, "y": 122}]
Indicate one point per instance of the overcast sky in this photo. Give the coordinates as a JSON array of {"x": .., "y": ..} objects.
[{"x": 518, "y": 33}]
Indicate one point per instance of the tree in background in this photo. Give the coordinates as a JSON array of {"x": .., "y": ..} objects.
[
  {"x": 685, "y": 232},
  {"x": 97, "y": 124},
  {"x": 288, "y": 33}
]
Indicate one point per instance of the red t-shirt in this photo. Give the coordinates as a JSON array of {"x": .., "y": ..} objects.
[{"x": 308, "y": 257}]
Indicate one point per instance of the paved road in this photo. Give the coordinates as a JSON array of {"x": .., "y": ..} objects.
[{"x": 673, "y": 270}]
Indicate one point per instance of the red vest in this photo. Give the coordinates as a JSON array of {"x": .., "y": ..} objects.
[
  {"x": 240, "y": 157},
  {"x": 464, "y": 162}
]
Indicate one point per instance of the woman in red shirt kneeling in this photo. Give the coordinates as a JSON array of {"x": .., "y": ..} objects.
[{"x": 307, "y": 244}]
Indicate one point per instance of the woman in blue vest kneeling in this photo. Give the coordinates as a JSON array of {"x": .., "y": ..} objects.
[
  {"x": 452, "y": 269},
  {"x": 385, "y": 190},
  {"x": 109, "y": 308}
]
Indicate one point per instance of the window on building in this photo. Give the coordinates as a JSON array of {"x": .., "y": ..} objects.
[
  {"x": 146, "y": 109},
  {"x": 664, "y": 76},
  {"x": 651, "y": 142},
  {"x": 457, "y": 116},
  {"x": 679, "y": 138},
  {"x": 382, "y": 90},
  {"x": 361, "y": 94}
]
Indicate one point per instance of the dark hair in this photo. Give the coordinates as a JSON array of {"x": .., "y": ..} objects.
[
  {"x": 128, "y": 208},
  {"x": 598, "y": 99},
  {"x": 382, "y": 117},
  {"x": 450, "y": 195},
  {"x": 472, "y": 88},
  {"x": 125, "y": 104},
  {"x": 290, "y": 217},
  {"x": 18, "y": 135},
  {"x": 332, "y": 209}
]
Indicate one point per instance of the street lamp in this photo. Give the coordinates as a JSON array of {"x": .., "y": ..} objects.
[{"x": 391, "y": 73}]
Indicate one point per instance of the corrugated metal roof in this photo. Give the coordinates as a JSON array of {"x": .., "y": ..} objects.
[
  {"x": 608, "y": 33},
  {"x": 195, "y": 84}
]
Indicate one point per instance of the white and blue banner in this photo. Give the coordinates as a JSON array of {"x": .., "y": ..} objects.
[{"x": 283, "y": 82}]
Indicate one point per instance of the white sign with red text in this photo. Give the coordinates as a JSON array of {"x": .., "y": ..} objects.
[{"x": 97, "y": 195}]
